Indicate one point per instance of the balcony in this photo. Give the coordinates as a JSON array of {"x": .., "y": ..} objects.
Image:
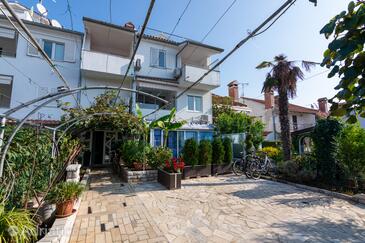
[
  {"x": 103, "y": 63},
  {"x": 148, "y": 108},
  {"x": 191, "y": 74}
]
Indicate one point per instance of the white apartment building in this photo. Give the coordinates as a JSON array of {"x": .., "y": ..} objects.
[
  {"x": 99, "y": 57},
  {"x": 162, "y": 67},
  {"x": 24, "y": 75}
]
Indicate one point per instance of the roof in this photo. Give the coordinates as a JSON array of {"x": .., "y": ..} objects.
[
  {"x": 292, "y": 107},
  {"x": 153, "y": 37},
  {"x": 223, "y": 100},
  {"x": 40, "y": 24},
  {"x": 107, "y": 24}
]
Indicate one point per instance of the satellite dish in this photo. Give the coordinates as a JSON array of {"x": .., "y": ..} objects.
[
  {"x": 55, "y": 23},
  {"x": 28, "y": 16},
  {"x": 42, "y": 10}
]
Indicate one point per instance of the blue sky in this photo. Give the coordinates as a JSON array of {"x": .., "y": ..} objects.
[{"x": 296, "y": 34}]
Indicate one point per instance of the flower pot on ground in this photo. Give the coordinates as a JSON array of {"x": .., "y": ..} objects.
[
  {"x": 170, "y": 175},
  {"x": 64, "y": 196}
]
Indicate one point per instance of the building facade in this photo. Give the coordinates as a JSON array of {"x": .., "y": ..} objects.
[
  {"x": 24, "y": 75},
  {"x": 99, "y": 57},
  {"x": 267, "y": 111}
]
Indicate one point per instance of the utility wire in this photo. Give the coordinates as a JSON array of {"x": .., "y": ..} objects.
[
  {"x": 70, "y": 13},
  {"x": 148, "y": 15},
  {"x": 213, "y": 26},
  {"x": 35, "y": 43},
  {"x": 172, "y": 32},
  {"x": 250, "y": 36}
]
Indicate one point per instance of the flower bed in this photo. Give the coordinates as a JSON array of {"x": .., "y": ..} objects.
[{"x": 170, "y": 175}]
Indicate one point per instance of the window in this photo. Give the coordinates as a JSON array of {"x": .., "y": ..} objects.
[
  {"x": 8, "y": 42},
  {"x": 295, "y": 122},
  {"x": 6, "y": 85},
  {"x": 54, "y": 50},
  {"x": 195, "y": 103},
  {"x": 158, "y": 58}
]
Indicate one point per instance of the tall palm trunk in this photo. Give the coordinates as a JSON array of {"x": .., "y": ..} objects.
[{"x": 284, "y": 124}]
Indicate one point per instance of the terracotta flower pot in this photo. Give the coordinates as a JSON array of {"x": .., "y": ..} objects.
[{"x": 64, "y": 209}]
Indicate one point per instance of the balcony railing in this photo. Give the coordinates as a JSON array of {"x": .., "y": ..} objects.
[
  {"x": 104, "y": 62},
  {"x": 193, "y": 73},
  {"x": 148, "y": 108}
]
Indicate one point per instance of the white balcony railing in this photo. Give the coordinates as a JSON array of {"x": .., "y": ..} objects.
[
  {"x": 148, "y": 108},
  {"x": 103, "y": 62},
  {"x": 192, "y": 74}
]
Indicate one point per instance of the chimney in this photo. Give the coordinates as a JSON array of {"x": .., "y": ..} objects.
[
  {"x": 269, "y": 99},
  {"x": 129, "y": 25},
  {"x": 233, "y": 90},
  {"x": 323, "y": 105}
]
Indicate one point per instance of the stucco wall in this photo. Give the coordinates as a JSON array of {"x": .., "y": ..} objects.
[{"x": 43, "y": 78}]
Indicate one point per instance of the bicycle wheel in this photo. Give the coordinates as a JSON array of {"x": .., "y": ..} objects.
[
  {"x": 255, "y": 171},
  {"x": 237, "y": 167}
]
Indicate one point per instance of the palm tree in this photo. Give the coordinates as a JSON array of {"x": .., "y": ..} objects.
[
  {"x": 283, "y": 78},
  {"x": 167, "y": 123}
]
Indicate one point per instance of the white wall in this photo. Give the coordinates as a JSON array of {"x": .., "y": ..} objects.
[
  {"x": 144, "y": 53},
  {"x": 40, "y": 72}
]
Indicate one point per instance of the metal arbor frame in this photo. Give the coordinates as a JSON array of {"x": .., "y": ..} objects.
[{"x": 49, "y": 98}]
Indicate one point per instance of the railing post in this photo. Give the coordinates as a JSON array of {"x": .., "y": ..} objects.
[{"x": 2, "y": 134}]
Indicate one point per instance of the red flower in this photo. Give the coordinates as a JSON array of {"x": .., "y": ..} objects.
[{"x": 167, "y": 164}]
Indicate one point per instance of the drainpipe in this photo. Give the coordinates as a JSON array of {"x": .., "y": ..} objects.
[{"x": 2, "y": 133}]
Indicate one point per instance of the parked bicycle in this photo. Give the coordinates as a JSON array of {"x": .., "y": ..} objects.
[
  {"x": 261, "y": 166},
  {"x": 242, "y": 165}
]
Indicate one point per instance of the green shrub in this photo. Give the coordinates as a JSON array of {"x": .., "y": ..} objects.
[
  {"x": 190, "y": 152},
  {"x": 158, "y": 156},
  {"x": 228, "y": 150},
  {"x": 205, "y": 152},
  {"x": 273, "y": 153},
  {"x": 21, "y": 222},
  {"x": 218, "y": 151},
  {"x": 134, "y": 152},
  {"x": 65, "y": 191},
  {"x": 325, "y": 146},
  {"x": 351, "y": 150},
  {"x": 302, "y": 168}
]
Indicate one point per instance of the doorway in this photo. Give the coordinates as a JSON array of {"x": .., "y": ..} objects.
[{"x": 97, "y": 149}]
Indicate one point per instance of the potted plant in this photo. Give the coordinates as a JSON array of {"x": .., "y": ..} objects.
[
  {"x": 170, "y": 175},
  {"x": 64, "y": 196},
  {"x": 204, "y": 167},
  {"x": 16, "y": 225},
  {"x": 222, "y": 154}
]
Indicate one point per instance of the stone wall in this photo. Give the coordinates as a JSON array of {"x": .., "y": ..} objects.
[{"x": 138, "y": 176}]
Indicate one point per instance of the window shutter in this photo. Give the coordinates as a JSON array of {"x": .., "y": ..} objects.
[
  {"x": 33, "y": 51},
  {"x": 170, "y": 60},
  {"x": 154, "y": 57},
  {"x": 70, "y": 52}
]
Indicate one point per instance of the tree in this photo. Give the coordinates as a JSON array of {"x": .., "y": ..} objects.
[
  {"x": 218, "y": 151},
  {"x": 283, "y": 78},
  {"x": 167, "y": 123},
  {"x": 346, "y": 56}
]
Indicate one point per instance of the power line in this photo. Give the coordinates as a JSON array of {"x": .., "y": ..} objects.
[
  {"x": 172, "y": 32},
  {"x": 213, "y": 26},
  {"x": 110, "y": 11},
  {"x": 148, "y": 15},
  {"x": 70, "y": 13},
  {"x": 251, "y": 35}
]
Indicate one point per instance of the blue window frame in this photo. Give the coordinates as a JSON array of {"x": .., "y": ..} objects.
[
  {"x": 191, "y": 134},
  {"x": 206, "y": 136},
  {"x": 157, "y": 138},
  {"x": 172, "y": 142}
]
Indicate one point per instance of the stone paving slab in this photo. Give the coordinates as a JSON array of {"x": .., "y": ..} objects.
[{"x": 214, "y": 209}]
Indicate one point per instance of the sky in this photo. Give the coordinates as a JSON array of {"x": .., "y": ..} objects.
[{"x": 295, "y": 34}]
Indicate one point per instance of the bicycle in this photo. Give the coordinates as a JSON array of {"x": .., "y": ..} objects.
[
  {"x": 242, "y": 165},
  {"x": 261, "y": 166}
]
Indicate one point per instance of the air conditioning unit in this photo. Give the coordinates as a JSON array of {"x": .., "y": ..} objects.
[
  {"x": 138, "y": 65},
  {"x": 204, "y": 119},
  {"x": 177, "y": 73}
]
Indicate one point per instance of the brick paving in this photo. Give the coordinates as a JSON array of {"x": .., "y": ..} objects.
[{"x": 214, "y": 209}]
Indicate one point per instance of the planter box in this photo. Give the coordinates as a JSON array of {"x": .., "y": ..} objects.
[
  {"x": 197, "y": 171},
  {"x": 221, "y": 169},
  {"x": 170, "y": 180},
  {"x": 136, "y": 176}
]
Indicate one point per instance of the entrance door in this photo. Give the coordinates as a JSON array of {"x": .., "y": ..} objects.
[
  {"x": 110, "y": 139},
  {"x": 97, "y": 148}
]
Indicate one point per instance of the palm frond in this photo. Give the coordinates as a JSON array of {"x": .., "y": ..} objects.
[
  {"x": 265, "y": 64},
  {"x": 270, "y": 84},
  {"x": 280, "y": 58},
  {"x": 307, "y": 65}
]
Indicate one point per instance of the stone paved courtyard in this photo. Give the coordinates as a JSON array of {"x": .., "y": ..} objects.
[{"x": 214, "y": 209}]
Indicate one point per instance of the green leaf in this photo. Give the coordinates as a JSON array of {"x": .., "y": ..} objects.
[
  {"x": 338, "y": 112},
  {"x": 139, "y": 111},
  {"x": 352, "y": 119},
  {"x": 351, "y": 7},
  {"x": 328, "y": 28},
  {"x": 264, "y": 65},
  {"x": 336, "y": 44},
  {"x": 334, "y": 71}
]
